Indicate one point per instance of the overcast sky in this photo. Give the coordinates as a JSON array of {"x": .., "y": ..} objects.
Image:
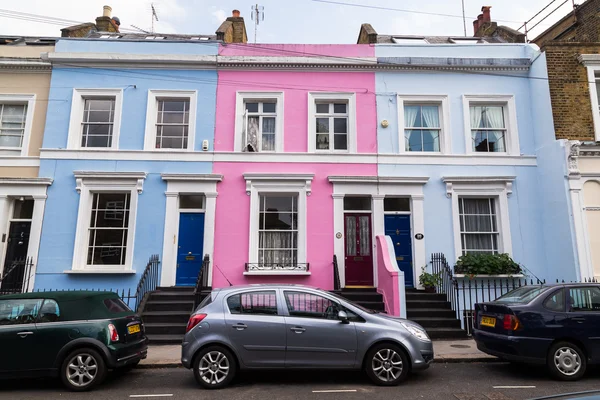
[{"x": 286, "y": 21}]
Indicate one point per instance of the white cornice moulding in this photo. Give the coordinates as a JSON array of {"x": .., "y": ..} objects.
[
  {"x": 319, "y": 158},
  {"x": 25, "y": 64},
  {"x": 110, "y": 178},
  {"x": 478, "y": 183},
  {"x": 26, "y": 181},
  {"x": 253, "y": 178},
  {"x": 589, "y": 59},
  {"x": 192, "y": 177},
  {"x": 379, "y": 179}
]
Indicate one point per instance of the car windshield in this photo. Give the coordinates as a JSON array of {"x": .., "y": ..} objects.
[
  {"x": 354, "y": 304},
  {"x": 522, "y": 295}
]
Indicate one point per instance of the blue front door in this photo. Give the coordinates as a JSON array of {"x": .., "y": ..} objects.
[
  {"x": 189, "y": 249},
  {"x": 398, "y": 228}
]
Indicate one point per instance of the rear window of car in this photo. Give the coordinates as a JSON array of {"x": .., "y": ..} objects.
[
  {"x": 116, "y": 305},
  {"x": 522, "y": 295}
]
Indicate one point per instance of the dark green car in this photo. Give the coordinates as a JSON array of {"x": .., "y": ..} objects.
[{"x": 75, "y": 335}]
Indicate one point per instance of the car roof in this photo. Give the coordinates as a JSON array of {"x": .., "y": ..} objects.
[
  {"x": 266, "y": 286},
  {"x": 64, "y": 295}
]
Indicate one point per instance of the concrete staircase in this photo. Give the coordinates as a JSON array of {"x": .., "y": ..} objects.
[
  {"x": 366, "y": 297},
  {"x": 166, "y": 314},
  {"x": 434, "y": 313}
]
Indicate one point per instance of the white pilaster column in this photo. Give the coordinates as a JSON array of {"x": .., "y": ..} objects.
[
  {"x": 4, "y": 206},
  {"x": 338, "y": 227},
  {"x": 209, "y": 231},
  {"x": 378, "y": 229},
  {"x": 169, "y": 255},
  {"x": 418, "y": 220},
  {"x": 37, "y": 219},
  {"x": 581, "y": 232}
]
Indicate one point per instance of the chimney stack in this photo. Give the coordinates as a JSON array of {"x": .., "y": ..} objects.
[
  {"x": 487, "y": 17},
  {"x": 233, "y": 30},
  {"x": 475, "y": 27},
  {"x": 105, "y": 23}
]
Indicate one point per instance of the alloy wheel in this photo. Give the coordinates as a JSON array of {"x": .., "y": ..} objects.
[
  {"x": 387, "y": 365},
  {"x": 214, "y": 367},
  {"x": 82, "y": 370},
  {"x": 567, "y": 361}
]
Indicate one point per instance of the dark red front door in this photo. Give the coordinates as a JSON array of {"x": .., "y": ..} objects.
[{"x": 359, "y": 255}]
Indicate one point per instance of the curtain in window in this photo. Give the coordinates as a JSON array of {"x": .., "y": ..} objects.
[
  {"x": 283, "y": 246},
  {"x": 431, "y": 116},
  {"x": 410, "y": 116},
  {"x": 365, "y": 242},
  {"x": 268, "y": 134},
  {"x": 350, "y": 236},
  {"x": 476, "y": 117},
  {"x": 252, "y": 130},
  {"x": 478, "y": 224},
  {"x": 495, "y": 119}
]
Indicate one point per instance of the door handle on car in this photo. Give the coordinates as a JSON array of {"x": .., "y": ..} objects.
[
  {"x": 24, "y": 334},
  {"x": 297, "y": 329},
  {"x": 239, "y": 327},
  {"x": 578, "y": 319}
]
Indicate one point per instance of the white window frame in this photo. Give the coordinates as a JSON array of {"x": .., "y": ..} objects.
[
  {"x": 152, "y": 113},
  {"x": 243, "y": 97},
  {"x": 257, "y": 184},
  {"x": 439, "y": 100},
  {"x": 29, "y": 100},
  {"x": 313, "y": 98},
  {"x": 510, "y": 120},
  {"x": 493, "y": 215},
  {"x": 592, "y": 79},
  {"x": 497, "y": 187},
  {"x": 89, "y": 183},
  {"x": 77, "y": 109}
]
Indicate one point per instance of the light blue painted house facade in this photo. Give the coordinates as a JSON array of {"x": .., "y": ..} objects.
[
  {"x": 119, "y": 157},
  {"x": 466, "y": 131}
]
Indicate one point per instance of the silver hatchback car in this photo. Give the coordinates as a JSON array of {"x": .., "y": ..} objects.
[{"x": 292, "y": 326}]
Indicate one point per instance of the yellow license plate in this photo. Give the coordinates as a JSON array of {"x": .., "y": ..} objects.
[
  {"x": 133, "y": 329},
  {"x": 488, "y": 321}
]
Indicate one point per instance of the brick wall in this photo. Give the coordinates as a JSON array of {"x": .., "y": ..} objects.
[
  {"x": 569, "y": 89},
  {"x": 588, "y": 22}
]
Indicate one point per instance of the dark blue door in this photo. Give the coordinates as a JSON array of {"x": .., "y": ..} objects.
[
  {"x": 398, "y": 228},
  {"x": 189, "y": 250}
]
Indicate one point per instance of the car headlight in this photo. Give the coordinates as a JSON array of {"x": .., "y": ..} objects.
[{"x": 417, "y": 332}]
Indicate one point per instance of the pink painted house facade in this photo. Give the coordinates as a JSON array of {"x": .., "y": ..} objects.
[{"x": 295, "y": 138}]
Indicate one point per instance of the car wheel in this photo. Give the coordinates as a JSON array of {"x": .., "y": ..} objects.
[
  {"x": 82, "y": 370},
  {"x": 214, "y": 367},
  {"x": 387, "y": 365},
  {"x": 566, "y": 361}
]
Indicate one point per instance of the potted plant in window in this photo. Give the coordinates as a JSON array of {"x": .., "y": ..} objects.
[
  {"x": 429, "y": 281},
  {"x": 487, "y": 265}
]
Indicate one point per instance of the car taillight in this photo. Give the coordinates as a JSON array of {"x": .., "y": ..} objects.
[
  {"x": 194, "y": 320},
  {"x": 511, "y": 323},
  {"x": 114, "y": 335}
]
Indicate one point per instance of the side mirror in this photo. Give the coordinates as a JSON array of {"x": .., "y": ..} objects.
[{"x": 343, "y": 317}]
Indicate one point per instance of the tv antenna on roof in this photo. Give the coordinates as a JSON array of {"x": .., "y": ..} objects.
[
  {"x": 154, "y": 16},
  {"x": 258, "y": 14},
  {"x": 464, "y": 17}
]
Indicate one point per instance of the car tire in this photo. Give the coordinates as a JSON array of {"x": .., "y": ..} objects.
[
  {"x": 214, "y": 367},
  {"x": 387, "y": 365},
  {"x": 83, "y": 369},
  {"x": 566, "y": 361}
]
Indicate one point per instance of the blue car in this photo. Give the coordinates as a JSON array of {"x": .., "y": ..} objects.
[{"x": 553, "y": 325}]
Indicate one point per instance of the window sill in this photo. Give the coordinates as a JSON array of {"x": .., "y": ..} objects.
[
  {"x": 100, "y": 271},
  {"x": 277, "y": 273}
]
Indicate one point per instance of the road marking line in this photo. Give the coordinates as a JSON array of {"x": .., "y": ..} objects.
[
  {"x": 514, "y": 387},
  {"x": 149, "y": 395},
  {"x": 336, "y": 391}
]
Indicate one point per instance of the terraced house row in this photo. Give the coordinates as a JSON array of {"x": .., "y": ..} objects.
[{"x": 336, "y": 166}]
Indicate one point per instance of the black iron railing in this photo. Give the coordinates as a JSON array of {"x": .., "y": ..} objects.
[
  {"x": 202, "y": 281},
  {"x": 297, "y": 267},
  {"x": 16, "y": 276},
  {"x": 148, "y": 281},
  {"x": 447, "y": 284},
  {"x": 337, "y": 285}
]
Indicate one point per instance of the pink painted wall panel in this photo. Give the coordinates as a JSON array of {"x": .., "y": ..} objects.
[
  {"x": 296, "y": 86},
  {"x": 298, "y": 50},
  {"x": 387, "y": 278},
  {"x": 233, "y": 221}
]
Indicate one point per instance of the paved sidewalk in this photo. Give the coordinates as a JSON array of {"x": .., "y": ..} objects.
[{"x": 445, "y": 351}]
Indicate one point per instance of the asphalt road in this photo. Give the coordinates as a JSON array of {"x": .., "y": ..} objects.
[{"x": 477, "y": 381}]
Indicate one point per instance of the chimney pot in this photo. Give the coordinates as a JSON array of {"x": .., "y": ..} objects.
[
  {"x": 475, "y": 27},
  {"x": 236, "y": 13},
  {"x": 487, "y": 16},
  {"x": 106, "y": 11}
]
